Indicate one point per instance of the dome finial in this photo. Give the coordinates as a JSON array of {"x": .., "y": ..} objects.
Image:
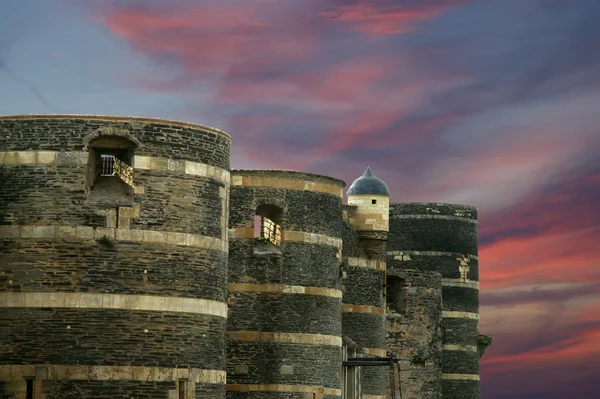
[{"x": 368, "y": 183}]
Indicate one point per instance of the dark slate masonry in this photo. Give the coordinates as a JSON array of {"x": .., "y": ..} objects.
[
  {"x": 60, "y": 193},
  {"x": 293, "y": 263},
  {"x": 364, "y": 286},
  {"x": 129, "y": 269},
  {"x": 433, "y": 250}
]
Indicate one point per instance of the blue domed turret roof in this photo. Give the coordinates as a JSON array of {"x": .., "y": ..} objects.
[{"x": 368, "y": 183}]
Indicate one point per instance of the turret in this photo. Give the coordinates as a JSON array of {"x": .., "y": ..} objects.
[{"x": 371, "y": 198}]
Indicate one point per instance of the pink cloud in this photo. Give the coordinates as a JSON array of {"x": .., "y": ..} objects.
[
  {"x": 56, "y": 54},
  {"x": 387, "y": 18}
]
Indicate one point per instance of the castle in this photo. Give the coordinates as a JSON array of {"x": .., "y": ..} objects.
[{"x": 134, "y": 263}]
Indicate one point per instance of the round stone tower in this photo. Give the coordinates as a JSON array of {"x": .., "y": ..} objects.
[
  {"x": 285, "y": 325},
  {"x": 432, "y": 250},
  {"x": 113, "y": 260},
  {"x": 367, "y": 215}
]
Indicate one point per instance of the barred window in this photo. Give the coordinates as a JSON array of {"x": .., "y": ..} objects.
[{"x": 267, "y": 224}]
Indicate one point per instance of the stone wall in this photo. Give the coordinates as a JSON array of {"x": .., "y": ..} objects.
[
  {"x": 363, "y": 301},
  {"x": 284, "y": 328},
  {"x": 433, "y": 247},
  {"x": 104, "y": 298}
]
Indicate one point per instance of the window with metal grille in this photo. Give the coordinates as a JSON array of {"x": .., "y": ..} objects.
[
  {"x": 271, "y": 231},
  {"x": 267, "y": 224},
  {"x": 107, "y": 165}
]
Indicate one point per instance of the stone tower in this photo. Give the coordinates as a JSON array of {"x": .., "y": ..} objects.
[
  {"x": 363, "y": 309},
  {"x": 285, "y": 321},
  {"x": 433, "y": 298},
  {"x": 113, "y": 259}
]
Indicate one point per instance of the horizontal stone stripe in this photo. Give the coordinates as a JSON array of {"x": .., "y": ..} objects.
[
  {"x": 365, "y": 263},
  {"x": 373, "y": 397},
  {"x": 181, "y": 166},
  {"x": 457, "y": 282},
  {"x": 96, "y": 233},
  {"x": 286, "y": 184},
  {"x": 112, "y": 301},
  {"x": 285, "y": 338},
  {"x": 16, "y": 158},
  {"x": 459, "y": 315},
  {"x": 290, "y": 236},
  {"x": 462, "y": 348},
  {"x": 282, "y": 388},
  {"x": 284, "y": 289},
  {"x": 431, "y": 253},
  {"x": 350, "y": 308},
  {"x": 374, "y": 352},
  {"x": 461, "y": 377},
  {"x": 12, "y": 372},
  {"x": 428, "y": 216}
]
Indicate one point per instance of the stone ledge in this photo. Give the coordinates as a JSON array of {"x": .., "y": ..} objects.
[
  {"x": 181, "y": 166},
  {"x": 283, "y": 388},
  {"x": 350, "y": 308},
  {"x": 428, "y": 216},
  {"x": 87, "y": 233},
  {"x": 14, "y": 372},
  {"x": 460, "y": 348},
  {"x": 430, "y": 253},
  {"x": 16, "y": 158},
  {"x": 112, "y": 301},
  {"x": 366, "y": 263},
  {"x": 284, "y": 289},
  {"x": 457, "y": 282},
  {"x": 460, "y": 377},
  {"x": 285, "y": 338},
  {"x": 447, "y": 314},
  {"x": 247, "y": 233},
  {"x": 286, "y": 184}
]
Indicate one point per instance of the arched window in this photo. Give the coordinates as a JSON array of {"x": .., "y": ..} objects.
[
  {"x": 396, "y": 294},
  {"x": 267, "y": 223}
]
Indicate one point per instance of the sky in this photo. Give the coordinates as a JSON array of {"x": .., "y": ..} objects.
[{"x": 491, "y": 103}]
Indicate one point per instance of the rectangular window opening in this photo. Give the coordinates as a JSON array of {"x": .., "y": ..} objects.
[
  {"x": 29, "y": 388},
  {"x": 271, "y": 231},
  {"x": 373, "y": 201},
  {"x": 108, "y": 165}
]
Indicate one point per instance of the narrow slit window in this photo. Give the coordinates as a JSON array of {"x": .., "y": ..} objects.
[
  {"x": 29, "y": 388},
  {"x": 182, "y": 389}
]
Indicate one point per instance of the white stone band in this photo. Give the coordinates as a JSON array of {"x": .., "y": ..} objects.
[
  {"x": 461, "y": 377},
  {"x": 285, "y": 338},
  {"x": 112, "y": 301},
  {"x": 15, "y": 372},
  {"x": 87, "y": 233},
  {"x": 447, "y": 314}
]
